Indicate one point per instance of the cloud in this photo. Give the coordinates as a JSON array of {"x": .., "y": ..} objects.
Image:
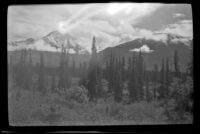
[
  {"x": 183, "y": 28},
  {"x": 21, "y": 31},
  {"x": 33, "y": 21},
  {"x": 82, "y": 22},
  {"x": 186, "y": 41},
  {"x": 143, "y": 48},
  {"x": 97, "y": 25},
  {"x": 108, "y": 35},
  {"x": 103, "y": 39},
  {"x": 141, "y": 10},
  {"x": 178, "y": 15}
]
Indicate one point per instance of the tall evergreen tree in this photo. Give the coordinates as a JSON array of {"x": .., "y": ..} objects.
[
  {"x": 129, "y": 68},
  {"x": 106, "y": 70},
  {"x": 140, "y": 76},
  {"x": 67, "y": 75},
  {"x": 41, "y": 79},
  {"x": 163, "y": 73},
  {"x": 92, "y": 75},
  {"x": 73, "y": 68},
  {"x": 84, "y": 68},
  {"x": 117, "y": 81},
  {"x": 83, "y": 74},
  {"x": 61, "y": 70},
  {"x": 28, "y": 71},
  {"x": 23, "y": 68},
  {"x": 11, "y": 65},
  {"x": 190, "y": 64},
  {"x": 162, "y": 88},
  {"x": 176, "y": 64},
  {"x": 64, "y": 73},
  {"x": 147, "y": 86},
  {"x": 99, "y": 82},
  {"x": 80, "y": 70},
  {"x": 53, "y": 82},
  {"x": 20, "y": 71},
  {"x": 132, "y": 83},
  {"x": 167, "y": 75},
  {"x": 122, "y": 70},
  {"x": 155, "y": 81},
  {"x": 110, "y": 74}
]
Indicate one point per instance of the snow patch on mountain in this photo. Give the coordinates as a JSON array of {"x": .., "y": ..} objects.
[
  {"x": 166, "y": 38},
  {"x": 54, "y": 40}
]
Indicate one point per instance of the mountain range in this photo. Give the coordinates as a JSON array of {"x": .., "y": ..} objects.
[{"x": 153, "y": 50}]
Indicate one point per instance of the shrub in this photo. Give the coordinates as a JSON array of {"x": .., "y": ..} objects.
[
  {"x": 25, "y": 108},
  {"x": 180, "y": 99},
  {"x": 143, "y": 111},
  {"x": 136, "y": 112},
  {"x": 79, "y": 94},
  {"x": 182, "y": 94}
]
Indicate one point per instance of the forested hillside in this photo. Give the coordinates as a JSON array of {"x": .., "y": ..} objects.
[
  {"x": 100, "y": 64},
  {"x": 163, "y": 92}
]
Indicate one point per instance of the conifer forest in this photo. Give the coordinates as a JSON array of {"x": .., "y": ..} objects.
[{"x": 116, "y": 85}]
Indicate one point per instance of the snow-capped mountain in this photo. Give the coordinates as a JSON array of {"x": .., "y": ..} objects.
[
  {"x": 54, "y": 40},
  {"x": 154, "y": 49},
  {"x": 173, "y": 38},
  {"x": 166, "y": 38},
  {"x": 20, "y": 44},
  {"x": 51, "y": 42}
]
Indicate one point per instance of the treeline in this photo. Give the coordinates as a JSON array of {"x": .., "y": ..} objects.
[
  {"x": 141, "y": 83},
  {"x": 119, "y": 74},
  {"x": 42, "y": 78},
  {"x": 133, "y": 76}
]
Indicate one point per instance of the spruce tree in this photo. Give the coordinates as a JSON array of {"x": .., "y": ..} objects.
[
  {"x": 61, "y": 70},
  {"x": 67, "y": 74},
  {"x": 162, "y": 88},
  {"x": 20, "y": 71},
  {"x": 53, "y": 82},
  {"x": 84, "y": 69},
  {"x": 132, "y": 83},
  {"x": 73, "y": 68},
  {"x": 92, "y": 75},
  {"x": 28, "y": 73},
  {"x": 155, "y": 81},
  {"x": 41, "y": 79},
  {"x": 111, "y": 74},
  {"x": 117, "y": 81},
  {"x": 167, "y": 74},
  {"x": 140, "y": 76},
  {"x": 106, "y": 71},
  {"x": 190, "y": 64},
  {"x": 176, "y": 64},
  {"x": 17, "y": 71},
  {"x": 23, "y": 68},
  {"x": 147, "y": 86},
  {"x": 129, "y": 68},
  {"x": 11, "y": 66},
  {"x": 99, "y": 82},
  {"x": 80, "y": 70},
  {"x": 122, "y": 70}
]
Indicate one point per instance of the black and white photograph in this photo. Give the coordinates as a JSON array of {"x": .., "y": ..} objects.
[{"x": 100, "y": 64}]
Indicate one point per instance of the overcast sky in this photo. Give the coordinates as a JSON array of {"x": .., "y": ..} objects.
[{"x": 110, "y": 23}]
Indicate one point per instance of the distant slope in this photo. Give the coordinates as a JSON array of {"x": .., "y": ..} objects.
[
  {"x": 159, "y": 50},
  {"x": 51, "y": 59}
]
